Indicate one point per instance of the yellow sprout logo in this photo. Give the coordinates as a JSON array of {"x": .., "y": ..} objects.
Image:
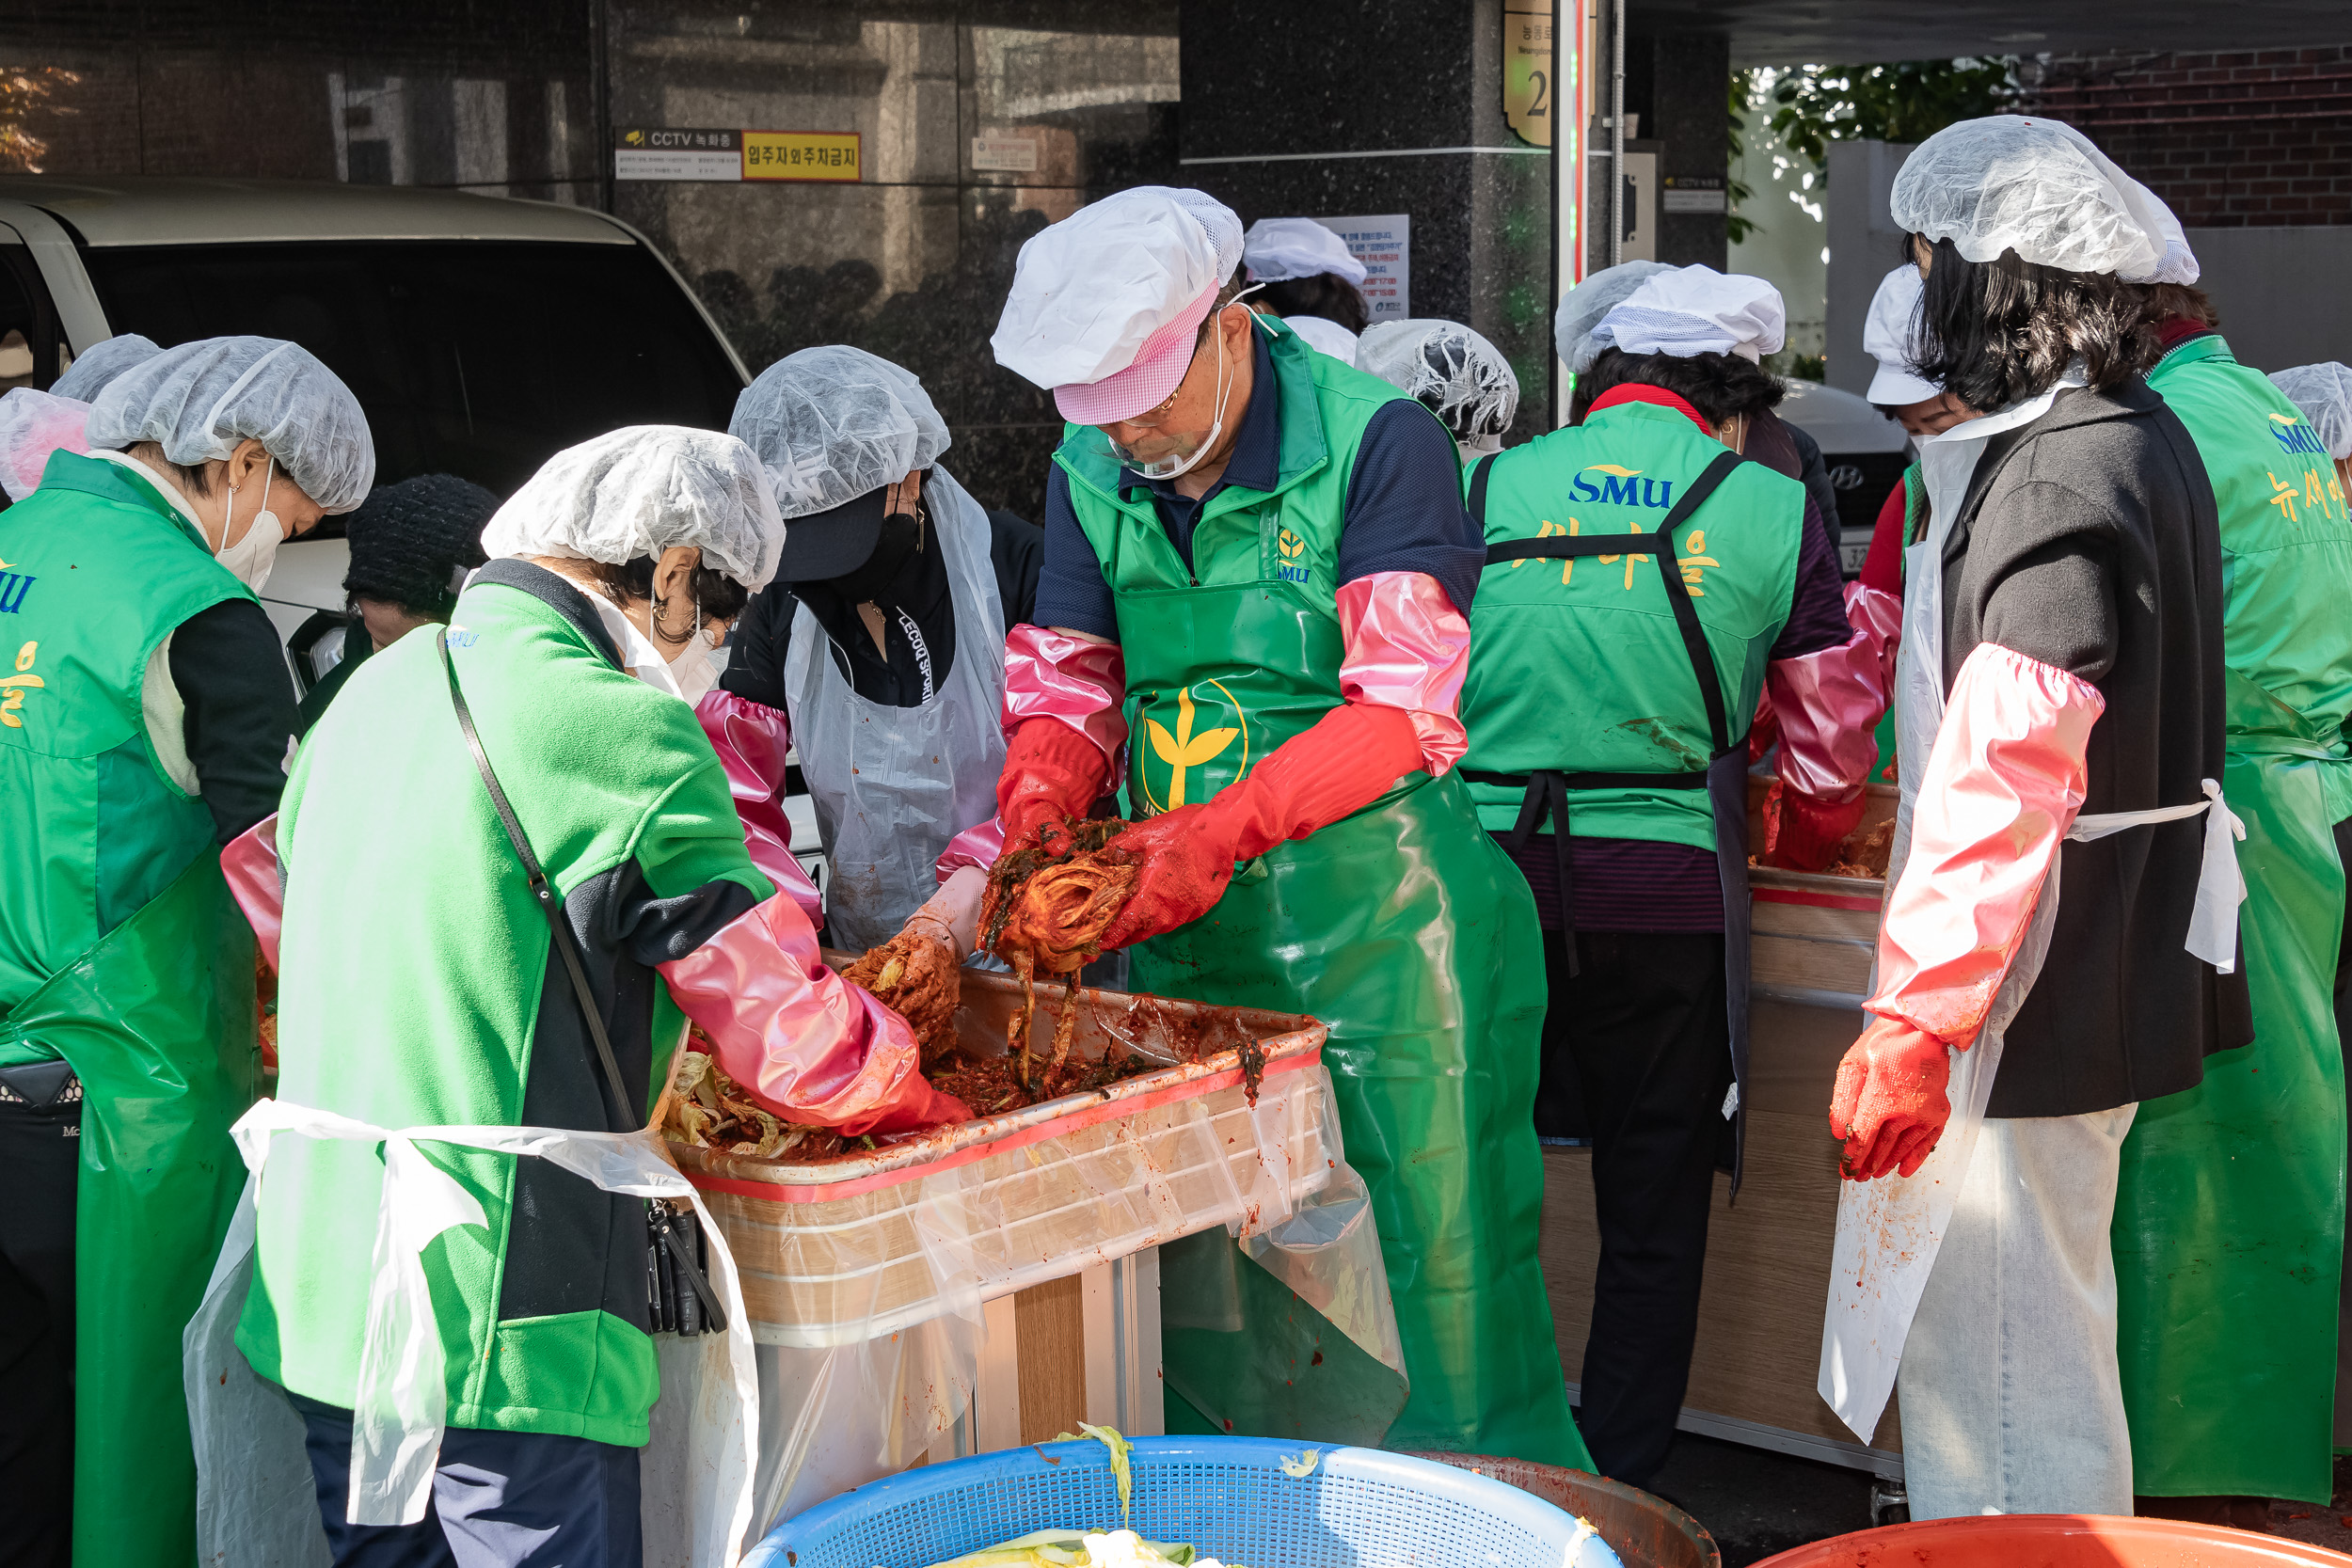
[
  {"x": 1290, "y": 545},
  {"x": 1187, "y": 750},
  {"x": 1611, "y": 468}
]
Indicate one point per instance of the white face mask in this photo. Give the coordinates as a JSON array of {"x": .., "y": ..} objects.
[
  {"x": 1478, "y": 447},
  {"x": 693, "y": 670},
  {"x": 250, "y": 559}
]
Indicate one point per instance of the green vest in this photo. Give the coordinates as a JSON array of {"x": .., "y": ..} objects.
[
  {"x": 96, "y": 569},
  {"x": 2229, "y": 1213},
  {"x": 1579, "y": 665},
  {"x": 121, "y": 952},
  {"x": 416, "y": 1005},
  {"x": 1404, "y": 927},
  {"x": 1202, "y": 708}
]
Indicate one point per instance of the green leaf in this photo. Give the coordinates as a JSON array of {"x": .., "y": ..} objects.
[{"x": 1118, "y": 1447}]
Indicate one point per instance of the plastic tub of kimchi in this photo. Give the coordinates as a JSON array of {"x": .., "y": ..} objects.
[{"x": 1165, "y": 1118}]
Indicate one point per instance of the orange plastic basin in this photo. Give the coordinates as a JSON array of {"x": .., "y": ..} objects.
[{"x": 2056, "y": 1541}]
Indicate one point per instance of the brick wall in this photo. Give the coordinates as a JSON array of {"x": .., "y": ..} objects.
[{"x": 2255, "y": 139}]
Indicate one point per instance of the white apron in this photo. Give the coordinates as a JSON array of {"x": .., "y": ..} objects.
[
  {"x": 893, "y": 785},
  {"x": 1889, "y": 1230},
  {"x": 256, "y": 1504}
]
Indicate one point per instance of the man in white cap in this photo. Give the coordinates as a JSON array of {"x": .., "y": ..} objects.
[
  {"x": 1611, "y": 698},
  {"x": 2060, "y": 716},
  {"x": 1256, "y": 561},
  {"x": 1312, "y": 281}
]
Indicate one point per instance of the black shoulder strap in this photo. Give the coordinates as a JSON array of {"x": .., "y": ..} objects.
[
  {"x": 542, "y": 893},
  {"x": 1564, "y": 548},
  {"x": 1479, "y": 475}
]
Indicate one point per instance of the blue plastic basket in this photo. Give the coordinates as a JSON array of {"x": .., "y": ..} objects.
[{"x": 1230, "y": 1496}]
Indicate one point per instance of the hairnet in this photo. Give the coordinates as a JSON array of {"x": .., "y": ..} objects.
[
  {"x": 639, "y": 491},
  {"x": 1588, "y": 302},
  {"x": 1278, "y": 249},
  {"x": 199, "y": 400},
  {"x": 100, "y": 363},
  {"x": 2042, "y": 189},
  {"x": 1450, "y": 370},
  {"x": 1690, "y": 311},
  {"x": 832, "y": 423},
  {"x": 2324, "y": 394},
  {"x": 1326, "y": 336}
]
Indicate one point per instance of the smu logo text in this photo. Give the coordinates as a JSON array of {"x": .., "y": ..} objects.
[
  {"x": 13, "y": 587},
  {"x": 1622, "y": 487},
  {"x": 2295, "y": 435}
]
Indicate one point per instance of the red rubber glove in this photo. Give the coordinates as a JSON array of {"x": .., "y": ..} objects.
[
  {"x": 1335, "y": 769},
  {"x": 1889, "y": 1105},
  {"x": 1051, "y": 773},
  {"x": 1802, "y": 834}
]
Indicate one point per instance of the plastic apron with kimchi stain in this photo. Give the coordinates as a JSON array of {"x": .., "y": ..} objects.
[
  {"x": 893, "y": 785},
  {"x": 1890, "y": 1230}
]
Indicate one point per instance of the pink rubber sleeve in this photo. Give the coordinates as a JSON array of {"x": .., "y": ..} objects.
[
  {"x": 257, "y": 883},
  {"x": 1069, "y": 680},
  {"x": 1829, "y": 702},
  {"x": 2002, "y": 784},
  {"x": 751, "y": 740},
  {"x": 34, "y": 424},
  {"x": 1407, "y": 647},
  {"x": 977, "y": 845},
  {"x": 812, "y": 1048}
]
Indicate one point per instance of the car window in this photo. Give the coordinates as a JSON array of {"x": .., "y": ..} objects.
[
  {"x": 475, "y": 358},
  {"x": 28, "y": 329}
]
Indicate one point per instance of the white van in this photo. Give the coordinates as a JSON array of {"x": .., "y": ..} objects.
[{"x": 480, "y": 334}]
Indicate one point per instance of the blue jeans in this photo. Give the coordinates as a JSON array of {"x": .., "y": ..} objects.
[{"x": 500, "y": 1499}]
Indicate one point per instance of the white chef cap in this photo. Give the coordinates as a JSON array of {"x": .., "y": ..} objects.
[
  {"x": 2041, "y": 188},
  {"x": 1106, "y": 304},
  {"x": 1889, "y": 336},
  {"x": 33, "y": 426},
  {"x": 833, "y": 422},
  {"x": 1454, "y": 372},
  {"x": 2323, "y": 393},
  {"x": 102, "y": 362},
  {"x": 1276, "y": 250},
  {"x": 200, "y": 399},
  {"x": 640, "y": 490},
  {"x": 1690, "y": 311},
  {"x": 1584, "y": 306}
]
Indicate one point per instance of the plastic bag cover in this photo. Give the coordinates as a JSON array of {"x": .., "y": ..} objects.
[{"x": 1458, "y": 375}]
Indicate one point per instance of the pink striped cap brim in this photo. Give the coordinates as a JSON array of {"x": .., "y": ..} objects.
[{"x": 1146, "y": 383}]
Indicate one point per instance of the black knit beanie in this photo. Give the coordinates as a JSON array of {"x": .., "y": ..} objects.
[{"x": 409, "y": 540}]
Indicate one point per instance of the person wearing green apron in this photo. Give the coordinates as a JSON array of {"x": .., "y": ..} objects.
[
  {"x": 145, "y": 715},
  {"x": 1262, "y": 583},
  {"x": 1640, "y": 778},
  {"x": 2229, "y": 1223}
]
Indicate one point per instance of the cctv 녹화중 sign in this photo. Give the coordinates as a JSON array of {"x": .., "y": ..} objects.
[{"x": 649, "y": 153}]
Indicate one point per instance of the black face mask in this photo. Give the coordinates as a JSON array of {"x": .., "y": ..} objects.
[{"x": 900, "y": 542}]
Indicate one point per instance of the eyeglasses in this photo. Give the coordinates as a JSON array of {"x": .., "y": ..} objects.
[{"x": 1151, "y": 418}]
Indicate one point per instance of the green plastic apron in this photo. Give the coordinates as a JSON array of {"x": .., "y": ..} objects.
[
  {"x": 158, "y": 1022},
  {"x": 1407, "y": 931},
  {"x": 2229, "y": 1216}
]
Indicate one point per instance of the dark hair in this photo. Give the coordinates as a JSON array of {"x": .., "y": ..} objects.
[
  {"x": 196, "y": 481},
  {"x": 408, "y": 540},
  {"x": 717, "y": 595},
  {"x": 1995, "y": 332},
  {"x": 1326, "y": 294},
  {"x": 1720, "y": 385},
  {"x": 2164, "y": 302}
]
